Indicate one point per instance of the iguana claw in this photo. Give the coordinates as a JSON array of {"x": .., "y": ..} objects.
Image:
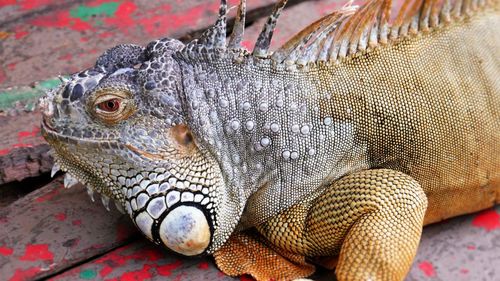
[
  {"x": 90, "y": 192},
  {"x": 119, "y": 207},
  {"x": 55, "y": 169},
  {"x": 105, "y": 201},
  {"x": 69, "y": 181}
]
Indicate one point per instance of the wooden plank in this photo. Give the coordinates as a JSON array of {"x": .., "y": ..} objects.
[
  {"x": 23, "y": 151},
  {"x": 54, "y": 37},
  {"x": 142, "y": 260},
  {"x": 54, "y": 228}
]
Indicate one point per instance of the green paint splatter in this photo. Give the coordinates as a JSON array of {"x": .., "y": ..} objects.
[
  {"x": 88, "y": 274},
  {"x": 26, "y": 95},
  {"x": 85, "y": 13}
]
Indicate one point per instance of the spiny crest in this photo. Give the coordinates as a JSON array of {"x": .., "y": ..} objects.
[{"x": 342, "y": 33}]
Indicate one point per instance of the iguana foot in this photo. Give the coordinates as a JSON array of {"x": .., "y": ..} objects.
[{"x": 245, "y": 253}]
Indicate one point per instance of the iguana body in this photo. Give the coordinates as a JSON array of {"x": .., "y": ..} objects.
[{"x": 326, "y": 148}]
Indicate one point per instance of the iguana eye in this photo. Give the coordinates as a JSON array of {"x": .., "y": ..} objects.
[{"x": 111, "y": 105}]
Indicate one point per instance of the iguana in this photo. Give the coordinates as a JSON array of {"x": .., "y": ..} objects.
[{"x": 335, "y": 149}]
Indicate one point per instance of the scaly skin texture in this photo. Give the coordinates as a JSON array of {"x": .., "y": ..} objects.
[{"x": 287, "y": 160}]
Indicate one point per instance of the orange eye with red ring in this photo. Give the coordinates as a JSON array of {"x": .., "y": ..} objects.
[{"x": 111, "y": 105}]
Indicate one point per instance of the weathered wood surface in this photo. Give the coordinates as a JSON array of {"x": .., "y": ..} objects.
[
  {"x": 54, "y": 228},
  {"x": 74, "y": 32}
]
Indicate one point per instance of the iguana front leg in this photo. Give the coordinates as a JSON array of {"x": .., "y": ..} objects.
[{"x": 371, "y": 219}]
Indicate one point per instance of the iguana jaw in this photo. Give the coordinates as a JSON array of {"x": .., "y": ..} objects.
[{"x": 174, "y": 203}]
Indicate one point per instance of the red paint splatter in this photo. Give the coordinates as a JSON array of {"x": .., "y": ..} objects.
[
  {"x": 66, "y": 57},
  {"x": 36, "y": 252},
  {"x": 105, "y": 271},
  {"x": 20, "y": 34},
  {"x": 12, "y": 66},
  {"x": 60, "y": 20},
  {"x": 60, "y": 217},
  {"x": 151, "y": 255},
  {"x": 5, "y": 3},
  {"x": 25, "y": 274},
  {"x": 166, "y": 269},
  {"x": 76, "y": 222},
  {"x": 106, "y": 34},
  {"x": 464, "y": 271},
  {"x": 203, "y": 265},
  {"x": 6, "y": 251},
  {"x": 4, "y": 151},
  {"x": 138, "y": 275},
  {"x": 47, "y": 196},
  {"x": 32, "y": 4},
  {"x": 123, "y": 17},
  {"x": 427, "y": 268},
  {"x": 488, "y": 219}
]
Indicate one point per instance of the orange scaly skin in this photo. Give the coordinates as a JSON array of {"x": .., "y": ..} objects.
[{"x": 426, "y": 106}]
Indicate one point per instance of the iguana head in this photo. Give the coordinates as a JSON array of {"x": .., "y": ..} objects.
[{"x": 120, "y": 129}]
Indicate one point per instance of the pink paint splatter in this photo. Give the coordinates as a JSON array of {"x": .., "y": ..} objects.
[
  {"x": 471, "y": 247},
  {"x": 427, "y": 268},
  {"x": 464, "y": 271},
  {"x": 36, "y": 252},
  {"x": 25, "y": 274},
  {"x": 488, "y": 219},
  {"x": 6, "y": 251},
  {"x": 60, "y": 217}
]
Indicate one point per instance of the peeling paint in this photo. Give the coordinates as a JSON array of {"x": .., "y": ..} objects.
[{"x": 36, "y": 252}]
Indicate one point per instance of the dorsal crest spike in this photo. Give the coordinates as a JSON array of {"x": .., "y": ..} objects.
[
  {"x": 261, "y": 47},
  {"x": 239, "y": 27},
  {"x": 349, "y": 30},
  {"x": 215, "y": 37}
]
